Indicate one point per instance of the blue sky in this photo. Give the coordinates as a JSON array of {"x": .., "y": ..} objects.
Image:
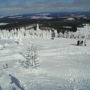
[{"x": 14, "y": 7}]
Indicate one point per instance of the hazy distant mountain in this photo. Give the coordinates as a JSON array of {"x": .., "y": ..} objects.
[{"x": 50, "y": 15}]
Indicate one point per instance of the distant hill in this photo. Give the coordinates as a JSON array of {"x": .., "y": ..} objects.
[{"x": 57, "y": 20}]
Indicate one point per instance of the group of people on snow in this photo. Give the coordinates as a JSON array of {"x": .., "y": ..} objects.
[{"x": 81, "y": 42}]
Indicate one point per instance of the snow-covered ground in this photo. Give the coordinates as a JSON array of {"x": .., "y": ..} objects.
[
  {"x": 3, "y": 24},
  {"x": 63, "y": 65}
]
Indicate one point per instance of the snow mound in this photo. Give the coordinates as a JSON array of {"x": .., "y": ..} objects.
[{"x": 1, "y": 47}]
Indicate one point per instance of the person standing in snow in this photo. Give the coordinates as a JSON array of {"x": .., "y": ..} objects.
[{"x": 84, "y": 42}]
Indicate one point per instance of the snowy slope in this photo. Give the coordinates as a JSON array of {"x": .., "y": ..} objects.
[{"x": 63, "y": 65}]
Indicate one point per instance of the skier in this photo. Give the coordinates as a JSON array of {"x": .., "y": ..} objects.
[
  {"x": 78, "y": 42},
  {"x": 81, "y": 42},
  {"x": 84, "y": 42}
]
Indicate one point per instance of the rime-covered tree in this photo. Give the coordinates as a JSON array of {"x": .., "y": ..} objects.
[{"x": 31, "y": 56}]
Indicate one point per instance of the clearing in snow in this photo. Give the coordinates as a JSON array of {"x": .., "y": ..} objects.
[{"x": 62, "y": 65}]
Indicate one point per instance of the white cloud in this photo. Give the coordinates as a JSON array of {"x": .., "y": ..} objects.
[{"x": 27, "y": 7}]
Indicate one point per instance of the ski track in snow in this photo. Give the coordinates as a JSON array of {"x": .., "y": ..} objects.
[{"x": 63, "y": 66}]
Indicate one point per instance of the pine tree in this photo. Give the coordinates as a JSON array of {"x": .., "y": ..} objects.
[{"x": 31, "y": 56}]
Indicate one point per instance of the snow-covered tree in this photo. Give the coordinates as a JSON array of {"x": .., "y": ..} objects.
[{"x": 31, "y": 56}]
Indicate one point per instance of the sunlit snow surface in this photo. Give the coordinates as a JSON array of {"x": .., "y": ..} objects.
[{"x": 63, "y": 65}]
